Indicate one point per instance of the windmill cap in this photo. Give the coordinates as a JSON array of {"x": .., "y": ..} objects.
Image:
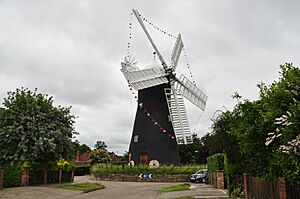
[{"x": 153, "y": 65}]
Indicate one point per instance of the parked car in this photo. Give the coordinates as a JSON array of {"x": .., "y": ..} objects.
[{"x": 200, "y": 176}]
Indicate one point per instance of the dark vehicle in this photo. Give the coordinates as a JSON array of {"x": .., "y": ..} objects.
[{"x": 200, "y": 176}]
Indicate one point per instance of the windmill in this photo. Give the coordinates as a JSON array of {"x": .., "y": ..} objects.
[{"x": 161, "y": 121}]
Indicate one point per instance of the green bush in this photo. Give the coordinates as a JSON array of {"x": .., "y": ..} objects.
[
  {"x": 287, "y": 166},
  {"x": 12, "y": 176},
  {"x": 12, "y": 173},
  {"x": 37, "y": 171},
  {"x": 229, "y": 173},
  {"x": 36, "y": 176},
  {"x": 215, "y": 162},
  {"x": 52, "y": 166}
]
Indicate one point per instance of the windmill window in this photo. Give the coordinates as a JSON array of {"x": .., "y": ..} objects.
[{"x": 136, "y": 138}]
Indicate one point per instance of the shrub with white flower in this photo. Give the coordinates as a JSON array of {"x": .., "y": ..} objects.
[{"x": 293, "y": 146}]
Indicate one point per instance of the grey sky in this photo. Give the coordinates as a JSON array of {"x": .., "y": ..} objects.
[{"x": 73, "y": 49}]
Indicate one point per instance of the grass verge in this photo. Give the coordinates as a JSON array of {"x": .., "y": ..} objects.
[
  {"x": 178, "y": 187},
  {"x": 85, "y": 187}
]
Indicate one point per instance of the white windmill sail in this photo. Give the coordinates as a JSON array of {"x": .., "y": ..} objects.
[
  {"x": 176, "y": 52},
  {"x": 138, "y": 16},
  {"x": 178, "y": 117},
  {"x": 141, "y": 79},
  {"x": 191, "y": 92}
]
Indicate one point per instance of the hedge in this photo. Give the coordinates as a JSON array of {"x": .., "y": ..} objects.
[
  {"x": 215, "y": 162},
  {"x": 109, "y": 168},
  {"x": 13, "y": 173},
  {"x": 12, "y": 176}
]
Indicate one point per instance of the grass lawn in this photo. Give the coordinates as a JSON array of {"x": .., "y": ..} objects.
[
  {"x": 85, "y": 187},
  {"x": 178, "y": 187}
]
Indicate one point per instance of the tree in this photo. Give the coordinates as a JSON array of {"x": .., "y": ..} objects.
[
  {"x": 282, "y": 100},
  {"x": 82, "y": 148},
  {"x": 33, "y": 129},
  {"x": 99, "y": 156},
  {"x": 283, "y": 105},
  {"x": 266, "y": 132},
  {"x": 124, "y": 157},
  {"x": 191, "y": 153},
  {"x": 100, "y": 145}
]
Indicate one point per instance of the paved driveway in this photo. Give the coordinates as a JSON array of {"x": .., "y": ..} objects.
[{"x": 124, "y": 190}]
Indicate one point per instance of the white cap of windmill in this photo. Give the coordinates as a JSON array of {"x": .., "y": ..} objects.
[{"x": 180, "y": 87}]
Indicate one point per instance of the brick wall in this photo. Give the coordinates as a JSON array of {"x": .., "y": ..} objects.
[
  {"x": 220, "y": 179},
  {"x": 282, "y": 188},
  {"x": 25, "y": 177},
  {"x": 217, "y": 179}
]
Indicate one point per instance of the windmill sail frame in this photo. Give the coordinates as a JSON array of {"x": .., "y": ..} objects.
[
  {"x": 176, "y": 52},
  {"x": 178, "y": 117},
  {"x": 191, "y": 92}
]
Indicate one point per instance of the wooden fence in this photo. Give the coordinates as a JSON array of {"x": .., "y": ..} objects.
[
  {"x": 263, "y": 188},
  {"x": 293, "y": 192},
  {"x": 259, "y": 188}
]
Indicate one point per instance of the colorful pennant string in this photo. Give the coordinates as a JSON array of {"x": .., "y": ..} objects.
[{"x": 155, "y": 123}]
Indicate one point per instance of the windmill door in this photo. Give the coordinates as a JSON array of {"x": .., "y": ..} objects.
[{"x": 143, "y": 158}]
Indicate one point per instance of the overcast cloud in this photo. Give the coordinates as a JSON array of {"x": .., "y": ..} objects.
[{"x": 73, "y": 49}]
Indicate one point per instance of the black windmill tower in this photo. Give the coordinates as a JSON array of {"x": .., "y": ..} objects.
[{"x": 161, "y": 120}]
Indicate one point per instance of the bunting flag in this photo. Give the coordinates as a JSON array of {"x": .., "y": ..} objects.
[
  {"x": 188, "y": 66},
  {"x": 132, "y": 92},
  {"x": 154, "y": 122},
  {"x": 152, "y": 25},
  {"x": 129, "y": 35}
]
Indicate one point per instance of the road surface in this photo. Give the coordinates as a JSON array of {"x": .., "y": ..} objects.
[{"x": 124, "y": 190}]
